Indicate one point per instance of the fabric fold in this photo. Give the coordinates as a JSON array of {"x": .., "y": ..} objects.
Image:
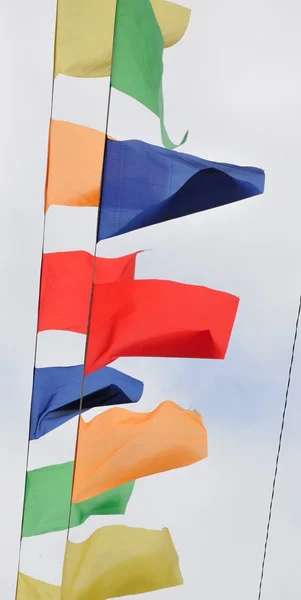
[
  {"x": 34, "y": 589},
  {"x": 85, "y": 47},
  {"x": 114, "y": 561},
  {"x": 119, "y": 446},
  {"x": 158, "y": 318},
  {"x": 144, "y": 184},
  {"x": 57, "y": 392},
  {"x": 120, "y": 561},
  {"x": 85, "y": 34},
  {"x": 48, "y": 498}
]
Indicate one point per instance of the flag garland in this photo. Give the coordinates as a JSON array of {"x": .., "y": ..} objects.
[
  {"x": 142, "y": 185},
  {"x": 114, "y": 449}
]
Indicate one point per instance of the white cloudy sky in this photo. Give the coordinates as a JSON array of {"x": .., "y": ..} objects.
[{"x": 234, "y": 82}]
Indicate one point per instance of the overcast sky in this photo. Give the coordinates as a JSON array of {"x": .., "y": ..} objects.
[{"x": 234, "y": 82}]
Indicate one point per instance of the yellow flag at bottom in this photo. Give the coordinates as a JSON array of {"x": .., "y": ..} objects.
[
  {"x": 114, "y": 561},
  {"x": 119, "y": 561},
  {"x": 33, "y": 589}
]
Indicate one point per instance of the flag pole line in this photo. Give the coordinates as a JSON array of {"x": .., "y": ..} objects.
[
  {"x": 278, "y": 452},
  {"x": 87, "y": 335},
  {"x": 39, "y": 299},
  {"x": 91, "y": 291},
  {"x": 89, "y": 307}
]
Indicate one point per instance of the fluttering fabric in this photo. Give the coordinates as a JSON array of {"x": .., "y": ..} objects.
[
  {"x": 142, "y": 185},
  {"x": 75, "y": 159},
  {"x": 57, "y": 392},
  {"x": 34, "y": 589},
  {"x": 132, "y": 317},
  {"x": 66, "y": 284},
  {"x": 145, "y": 184},
  {"x": 115, "y": 561},
  {"x": 120, "y": 561},
  {"x": 84, "y": 47},
  {"x": 120, "y": 446},
  {"x": 85, "y": 34},
  {"x": 137, "y": 65},
  {"x": 48, "y": 498},
  {"x": 158, "y": 318}
]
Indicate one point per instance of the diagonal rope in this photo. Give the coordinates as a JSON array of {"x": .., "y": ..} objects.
[
  {"x": 279, "y": 451},
  {"x": 39, "y": 298}
]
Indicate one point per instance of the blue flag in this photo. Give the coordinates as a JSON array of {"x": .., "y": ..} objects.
[
  {"x": 145, "y": 184},
  {"x": 57, "y": 391}
]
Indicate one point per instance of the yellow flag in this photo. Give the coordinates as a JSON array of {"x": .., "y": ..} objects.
[
  {"x": 173, "y": 20},
  {"x": 119, "y": 561},
  {"x": 85, "y": 28},
  {"x": 33, "y": 589},
  {"x": 115, "y": 561}
]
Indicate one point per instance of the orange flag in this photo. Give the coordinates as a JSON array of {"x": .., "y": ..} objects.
[
  {"x": 75, "y": 161},
  {"x": 119, "y": 446}
]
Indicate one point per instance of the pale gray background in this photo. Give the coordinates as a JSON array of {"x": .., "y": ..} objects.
[{"x": 234, "y": 82}]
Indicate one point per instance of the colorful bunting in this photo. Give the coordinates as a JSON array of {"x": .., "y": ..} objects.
[
  {"x": 85, "y": 34},
  {"x": 83, "y": 50},
  {"x": 57, "y": 392},
  {"x": 120, "y": 446},
  {"x": 143, "y": 184},
  {"x": 132, "y": 317},
  {"x": 114, "y": 449},
  {"x": 48, "y": 499},
  {"x": 158, "y": 318}
]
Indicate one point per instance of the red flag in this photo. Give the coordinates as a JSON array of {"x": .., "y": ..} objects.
[
  {"x": 66, "y": 286},
  {"x": 158, "y": 318}
]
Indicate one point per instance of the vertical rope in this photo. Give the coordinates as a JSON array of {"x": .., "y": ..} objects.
[
  {"x": 88, "y": 326},
  {"x": 91, "y": 288},
  {"x": 278, "y": 452},
  {"x": 41, "y": 269}
]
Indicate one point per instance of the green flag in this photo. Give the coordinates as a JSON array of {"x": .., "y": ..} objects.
[
  {"x": 47, "y": 501},
  {"x": 137, "y": 65}
]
